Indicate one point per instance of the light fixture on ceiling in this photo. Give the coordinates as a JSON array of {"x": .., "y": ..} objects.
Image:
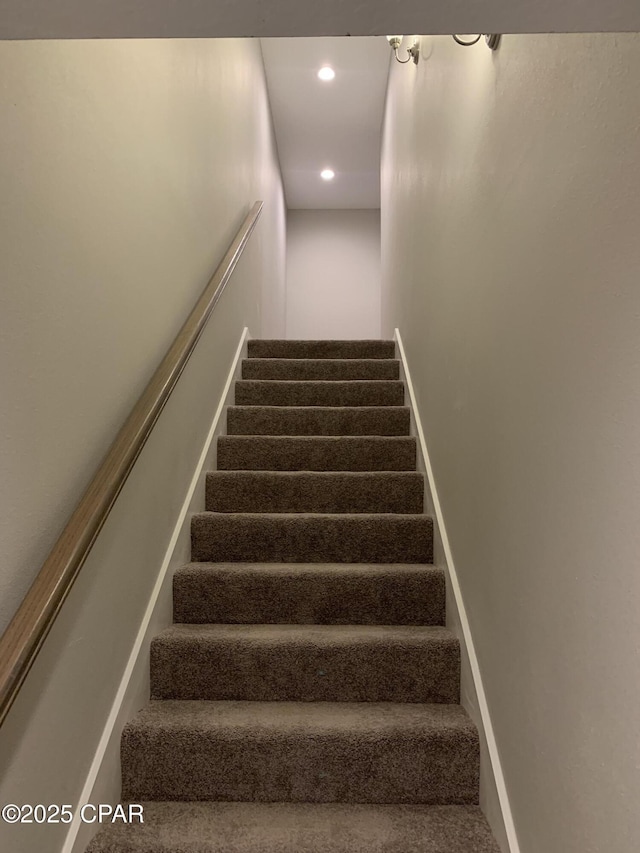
[
  {"x": 492, "y": 40},
  {"x": 327, "y": 174},
  {"x": 326, "y": 73},
  {"x": 413, "y": 51}
]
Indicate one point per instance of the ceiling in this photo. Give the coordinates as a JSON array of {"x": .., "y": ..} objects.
[
  {"x": 334, "y": 124},
  {"x": 66, "y": 19}
]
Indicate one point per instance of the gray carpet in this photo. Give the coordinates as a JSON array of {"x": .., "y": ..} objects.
[
  {"x": 316, "y": 453},
  {"x": 311, "y": 537},
  {"x": 317, "y": 420},
  {"x": 309, "y": 594},
  {"x": 300, "y": 828},
  {"x": 322, "y": 349},
  {"x": 302, "y": 752},
  {"x": 306, "y": 663},
  {"x": 269, "y": 392},
  {"x": 306, "y": 698},
  {"x": 315, "y": 492},
  {"x": 320, "y": 368}
]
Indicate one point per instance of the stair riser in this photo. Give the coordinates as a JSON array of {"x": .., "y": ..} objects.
[
  {"x": 283, "y": 595},
  {"x": 321, "y": 349},
  {"x": 320, "y": 370},
  {"x": 274, "y": 420},
  {"x": 331, "y": 453},
  {"x": 314, "y": 767},
  {"x": 302, "y": 672},
  {"x": 304, "y": 492},
  {"x": 271, "y": 393},
  {"x": 319, "y": 539}
]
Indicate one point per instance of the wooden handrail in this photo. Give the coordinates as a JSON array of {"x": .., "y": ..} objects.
[{"x": 25, "y": 634}]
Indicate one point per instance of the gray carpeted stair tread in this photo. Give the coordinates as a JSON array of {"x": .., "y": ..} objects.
[
  {"x": 299, "y": 828},
  {"x": 301, "y": 752},
  {"x": 307, "y": 698},
  {"x": 306, "y": 663},
  {"x": 310, "y": 593},
  {"x": 316, "y": 453},
  {"x": 321, "y": 368},
  {"x": 321, "y": 349},
  {"x": 320, "y": 491},
  {"x": 318, "y": 420},
  {"x": 311, "y": 538},
  {"x": 268, "y": 392}
]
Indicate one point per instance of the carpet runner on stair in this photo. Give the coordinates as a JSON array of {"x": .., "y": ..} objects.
[{"x": 306, "y": 700}]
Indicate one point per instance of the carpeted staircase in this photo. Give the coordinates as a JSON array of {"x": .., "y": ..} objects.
[{"x": 306, "y": 700}]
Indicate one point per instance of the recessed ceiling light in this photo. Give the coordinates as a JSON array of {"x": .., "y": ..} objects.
[
  {"x": 326, "y": 73},
  {"x": 327, "y": 174}
]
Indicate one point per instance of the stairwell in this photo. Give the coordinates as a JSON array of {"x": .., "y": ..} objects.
[{"x": 307, "y": 697}]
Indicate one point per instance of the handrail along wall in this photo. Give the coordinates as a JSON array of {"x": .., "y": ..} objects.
[{"x": 27, "y": 631}]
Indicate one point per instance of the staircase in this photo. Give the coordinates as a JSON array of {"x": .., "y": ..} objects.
[{"x": 306, "y": 698}]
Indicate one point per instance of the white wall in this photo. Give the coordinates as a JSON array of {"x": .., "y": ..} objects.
[
  {"x": 126, "y": 169},
  {"x": 333, "y": 274},
  {"x": 511, "y": 214}
]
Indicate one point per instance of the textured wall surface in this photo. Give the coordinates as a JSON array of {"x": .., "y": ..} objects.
[
  {"x": 333, "y": 274},
  {"x": 125, "y": 170},
  {"x": 510, "y": 222}
]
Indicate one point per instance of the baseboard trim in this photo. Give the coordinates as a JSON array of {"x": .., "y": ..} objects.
[
  {"x": 466, "y": 639},
  {"x": 141, "y": 641}
]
